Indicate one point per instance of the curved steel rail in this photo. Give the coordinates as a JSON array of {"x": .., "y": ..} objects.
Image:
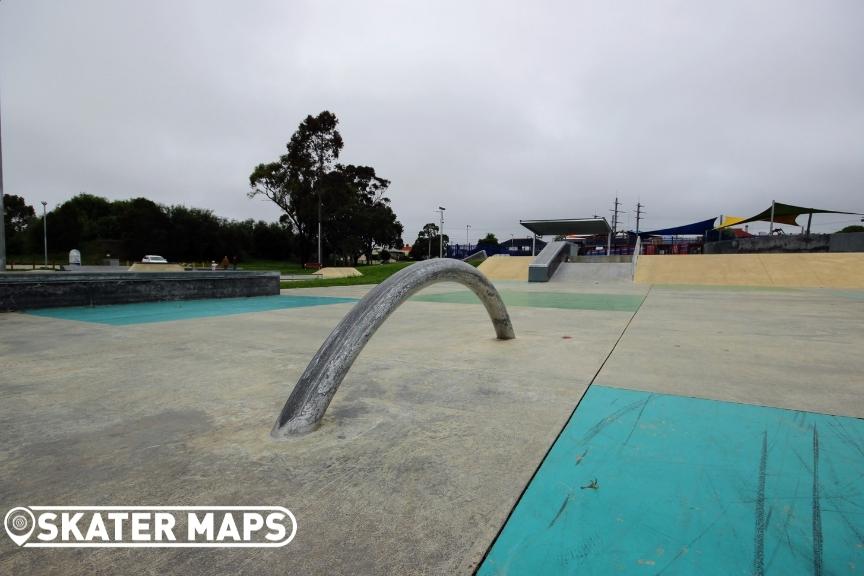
[{"x": 312, "y": 393}]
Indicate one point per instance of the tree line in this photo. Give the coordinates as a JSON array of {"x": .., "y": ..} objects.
[{"x": 129, "y": 229}]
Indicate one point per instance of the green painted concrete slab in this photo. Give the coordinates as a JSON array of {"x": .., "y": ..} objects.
[
  {"x": 642, "y": 483},
  {"x": 564, "y": 300},
  {"x": 149, "y": 312}
]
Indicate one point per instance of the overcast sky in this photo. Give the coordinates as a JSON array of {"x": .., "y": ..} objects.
[{"x": 499, "y": 111}]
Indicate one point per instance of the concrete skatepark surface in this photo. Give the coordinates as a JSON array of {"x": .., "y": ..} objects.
[{"x": 429, "y": 442}]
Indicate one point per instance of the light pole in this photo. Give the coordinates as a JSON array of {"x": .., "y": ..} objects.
[
  {"x": 441, "y": 232},
  {"x": 319, "y": 230},
  {"x": 45, "y": 230},
  {"x": 467, "y": 241}
]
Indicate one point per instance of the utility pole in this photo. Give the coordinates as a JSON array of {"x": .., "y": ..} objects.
[
  {"x": 2, "y": 210},
  {"x": 615, "y": 211},
  {"x": 321, "y": 264},
  {"x": 615, "y": 215},
  {"x": 467, "y": 241},
  {"x": 639, "y": 213}
]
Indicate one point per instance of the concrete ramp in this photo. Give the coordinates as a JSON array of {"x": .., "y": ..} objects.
[
  {"x": 820, "y": 270},
  {"x": 151, "y": 267},
  {"x": 506, "y": 267},
  {"x": 339, "y": 272},
  {"x": 593, "y": 272}
]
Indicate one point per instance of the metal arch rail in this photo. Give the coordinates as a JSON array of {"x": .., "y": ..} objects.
[{"x": 305, "y": 407}]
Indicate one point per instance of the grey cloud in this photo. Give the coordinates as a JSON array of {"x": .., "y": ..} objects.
[{"x": 496, "y": 110}]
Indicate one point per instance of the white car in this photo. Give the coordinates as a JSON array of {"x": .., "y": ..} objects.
[{"x": 154, "y": 259}]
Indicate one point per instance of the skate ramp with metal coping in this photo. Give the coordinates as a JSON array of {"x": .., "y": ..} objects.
[{"x": 822, "y": 270}]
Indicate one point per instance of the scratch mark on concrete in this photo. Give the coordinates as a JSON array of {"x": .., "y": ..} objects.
[
  {"x": 603, "y": 423},
  {"x": 817, "y": 508},
  {"x": 581, "y": 457},
  {"x": 638, "y": 417},
  {"x": 686, "y": 548},
  {"x": 560, "y": 510},
  {"x": 759, "y": 543}
]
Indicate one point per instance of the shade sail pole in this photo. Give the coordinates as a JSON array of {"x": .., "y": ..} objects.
[
  {"x": 809, "y": 219},
  {"x": 771, "y": 229}
]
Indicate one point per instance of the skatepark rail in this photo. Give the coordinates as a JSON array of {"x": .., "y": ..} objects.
[{"x": 313, "y": 392}]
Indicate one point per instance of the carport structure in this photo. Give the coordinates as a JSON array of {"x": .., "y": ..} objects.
[{"x": 569, "y": 227}]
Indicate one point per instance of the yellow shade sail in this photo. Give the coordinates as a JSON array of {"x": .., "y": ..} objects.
[{"x": 731, "y": 221}]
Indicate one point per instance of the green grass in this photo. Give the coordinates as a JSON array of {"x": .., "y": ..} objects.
[{"x": 372, "y": 274}]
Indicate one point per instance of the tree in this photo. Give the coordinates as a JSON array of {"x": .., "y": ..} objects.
[
  {"x": 489, "y": 239},
  {"x": 853, "y": 228},
  {"x": 144, "y": 229},
  {"x": 16, "y": 213},
  {"x": 427, "y": 243},
  {"x": 194, "y": 234},
  {"x": 294, "y": 182},
  {"x": 361, "y": 217},
  {"x": 17, "y": 216},
  {"x": 348, "y": 200}
]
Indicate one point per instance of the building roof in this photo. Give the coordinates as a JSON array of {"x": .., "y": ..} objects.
[{"x": 571, "y": 226}]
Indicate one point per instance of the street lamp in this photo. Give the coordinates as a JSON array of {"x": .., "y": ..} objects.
[
  {"x": 467, "y": 241},
  {"x": 441, "y": 232},
  {"x": 45, "y": 230}
]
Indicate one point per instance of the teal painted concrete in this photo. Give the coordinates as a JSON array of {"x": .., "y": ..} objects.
[
  {"x": 642, "y": 483},
  {"x": 148, "y": 312}
]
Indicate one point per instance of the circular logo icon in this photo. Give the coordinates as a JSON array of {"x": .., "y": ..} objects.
[{"x": 19, "y": 523}]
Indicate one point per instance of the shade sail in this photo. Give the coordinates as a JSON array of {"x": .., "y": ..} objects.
[
  {"x": 731, "y": 221},
  {"x": 783, "y": 214},
  {"x": 569, "y": 227},
  {"x": 694, "y": 229}
]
